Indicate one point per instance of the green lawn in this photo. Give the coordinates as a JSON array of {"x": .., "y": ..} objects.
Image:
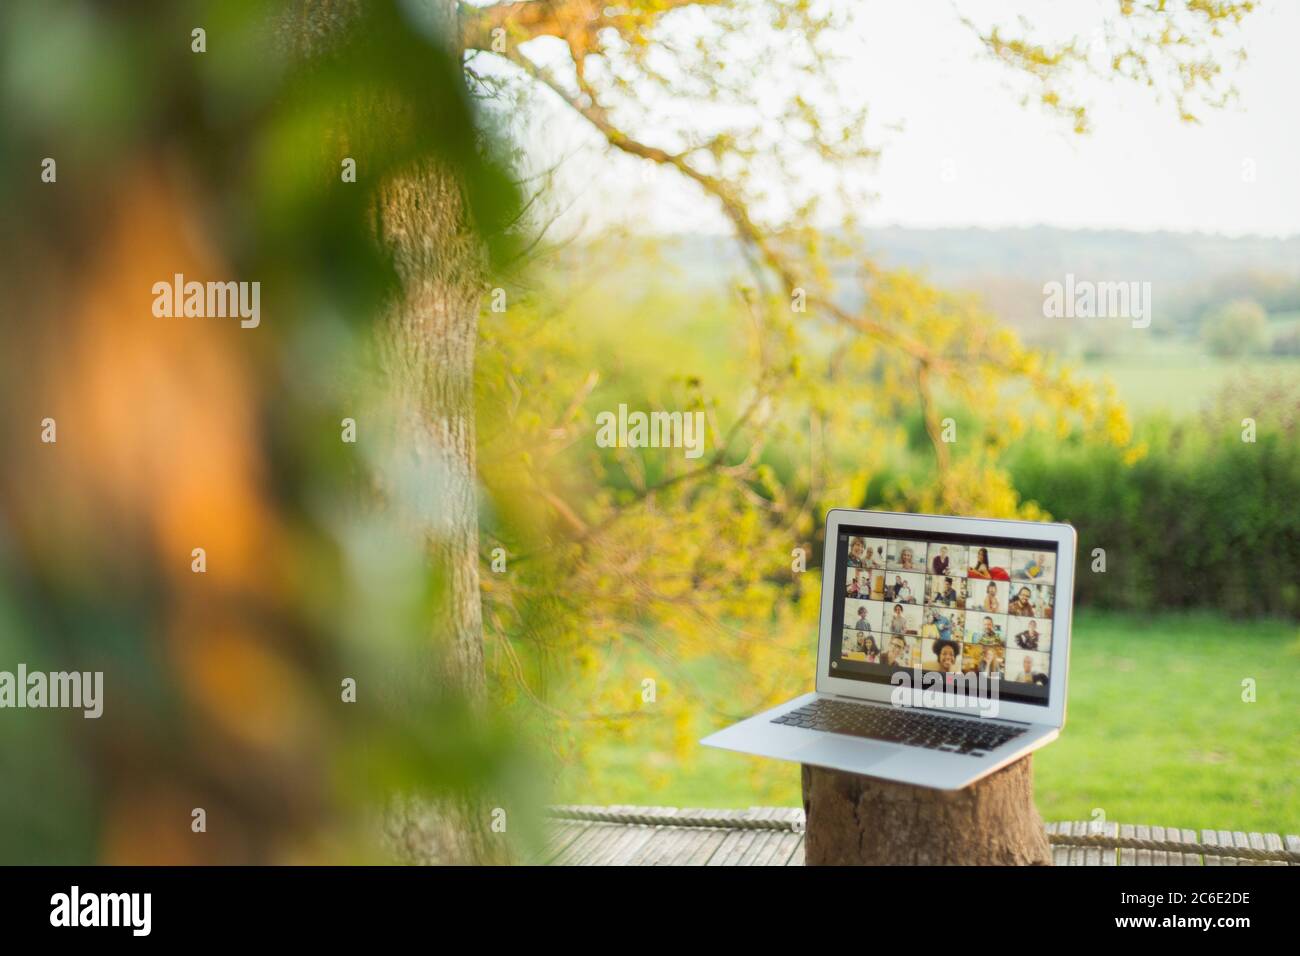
[
  {"x": 1157, "y": 733},
  {"x": 1179, "y": 378}
]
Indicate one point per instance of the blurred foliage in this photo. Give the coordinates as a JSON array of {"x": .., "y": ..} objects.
[
  {"x": 1178, "y": 48},
  {"x": 223, "y": 690}
]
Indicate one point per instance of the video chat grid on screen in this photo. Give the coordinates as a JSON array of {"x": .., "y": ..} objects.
[{"x": 955, "y": 604}]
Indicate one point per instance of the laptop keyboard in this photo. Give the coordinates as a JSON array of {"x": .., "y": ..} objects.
[{"x": 914, "y": 728}]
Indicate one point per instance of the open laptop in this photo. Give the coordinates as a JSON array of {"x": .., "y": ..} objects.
[{"x": 919, "y": 615}]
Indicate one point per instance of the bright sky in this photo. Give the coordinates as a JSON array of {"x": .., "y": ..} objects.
[{"x": 964, "y": 152}]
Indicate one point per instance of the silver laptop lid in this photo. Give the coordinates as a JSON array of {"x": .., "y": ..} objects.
[{"x": 939, "y": 597}]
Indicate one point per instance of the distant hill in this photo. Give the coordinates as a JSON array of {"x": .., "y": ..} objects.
[
  {"x": 1039, "y": 253},
  {"x": 1035, "y": 254},
  {"x": 1190, "y": 274}
]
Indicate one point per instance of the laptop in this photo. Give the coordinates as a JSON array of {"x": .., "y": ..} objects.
[{"x": 943, "y": 651}]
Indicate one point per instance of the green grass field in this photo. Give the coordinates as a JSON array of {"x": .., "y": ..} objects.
[
  {"x": 1157, "y": 733},
  {"x": 1179, "y": 378}
]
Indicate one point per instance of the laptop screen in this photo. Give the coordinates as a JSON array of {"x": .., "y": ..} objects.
[{"x": 952, "y": 603}]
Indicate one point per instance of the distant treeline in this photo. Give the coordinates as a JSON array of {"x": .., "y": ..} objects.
[
  {"x": 1203, "y": 520},
  {"x": 1193, "y": 277}
]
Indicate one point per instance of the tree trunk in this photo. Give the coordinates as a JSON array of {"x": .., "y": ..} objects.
[
  {"x": 426, "y": 353},
  {"x": 853, "y": 819},
  {"x": 425, "y": 343}
]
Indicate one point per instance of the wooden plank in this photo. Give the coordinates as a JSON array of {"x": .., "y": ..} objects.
[
  {"x": 618, "y": 851},
  {"x": 1242, "y": 841},
  {"x": 1143, "y": 833},
  {"x": 733, "y": 847},
  {"x": 1160, "y": 857},
  {"x": 693, "y": 846},
  {"x": 1173, "y": 835},
  {"x": 559, "y": 838},
  {"x": 762, "y": 854},
  {"x": 700, "y": 850},
  {"x": 1226, "y": 839},
  {"x": 1211, "y": 838},
  {"x": 621, "y": 842},
  {"x": 659, "y": 844},
  {"x": 1078, "y": 854},
  {"x": 783, "y": 848},
  {"x": 659, "y": 848},
  {"x": 793, "y": 816},
  {"x": 759, "y": 850},
  {"x": 1257, "y": 842},
  {"x": 1110, "y": 854},
  {"x": 592, "y": 836},
  {"x": 690, "y": 845},
  {"x": 1191, "y": 858},
  {"x": 783, "y": 842},
  {"x": 740, "y": 854},
  {"x": 1274, "y": 842},
  {"x": 796, "y": 857},
  {"x": 603, "y": 835},
  {"x": 1060, "y": 854},
  {"x": 1293, "y": 844},
  {"x": 750, "y": 854},
  {"x": 587, "y": 845},
  {"x": 684, "y": 843},
  {"x": 1128, "y": 856},
  {"x": 1092, "y": 855},
  {"x": 575, "y": 845}
]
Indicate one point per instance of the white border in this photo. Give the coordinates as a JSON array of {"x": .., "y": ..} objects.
[{"x": 1063, "y": 536}]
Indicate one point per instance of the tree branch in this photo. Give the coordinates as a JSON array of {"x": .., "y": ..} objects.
[
  {"x": 577, "y": 22},
  {"x": 732, "y": 206}
]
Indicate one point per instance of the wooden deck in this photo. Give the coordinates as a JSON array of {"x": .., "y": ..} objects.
[{"x": 773, "y": 836}]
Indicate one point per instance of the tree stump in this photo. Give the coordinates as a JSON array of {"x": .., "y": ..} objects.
[{"x": 852, "y": 819}]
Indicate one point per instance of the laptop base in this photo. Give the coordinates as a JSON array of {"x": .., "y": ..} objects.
[{"x": 917, "y": 766}]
